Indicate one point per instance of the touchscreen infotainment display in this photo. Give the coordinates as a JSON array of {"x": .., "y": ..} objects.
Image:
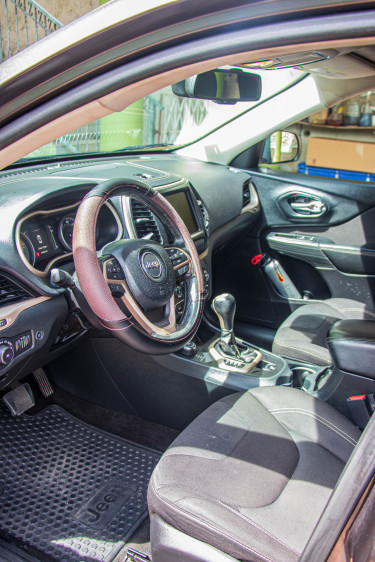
[{"x": 180, "y": 202}]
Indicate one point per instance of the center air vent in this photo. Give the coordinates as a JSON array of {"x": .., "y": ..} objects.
[
  {"x": 144, "y": 220},
  {"x": 246, "y": 194},
  {"x": 10, "y": 292},
  {"x": 205, "y": 215}
]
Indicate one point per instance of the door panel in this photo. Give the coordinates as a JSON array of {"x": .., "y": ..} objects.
[
  {"x": 329, "y": 252},
  {"x": 323, "y": 253}
]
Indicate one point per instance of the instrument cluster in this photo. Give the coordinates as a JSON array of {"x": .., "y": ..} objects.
[{"x": 46, "y": 236}]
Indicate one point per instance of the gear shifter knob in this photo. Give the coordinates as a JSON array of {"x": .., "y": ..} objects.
[{"x": 225, "y": 308}]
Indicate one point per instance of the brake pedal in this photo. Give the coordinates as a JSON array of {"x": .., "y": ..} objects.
[
  {"x": 19, "y": 400},
  {"x": 43, "y": 382}
]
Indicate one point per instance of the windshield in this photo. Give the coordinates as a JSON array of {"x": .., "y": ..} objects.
[{"x": 161, "y": 121}]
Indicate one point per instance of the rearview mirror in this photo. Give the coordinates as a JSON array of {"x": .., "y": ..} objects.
[
  {"x": 280, "y": 147},
  {"x": 227, "y": 86}
]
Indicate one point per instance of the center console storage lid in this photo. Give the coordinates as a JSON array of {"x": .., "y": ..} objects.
[{"x": 352, "y": 346}]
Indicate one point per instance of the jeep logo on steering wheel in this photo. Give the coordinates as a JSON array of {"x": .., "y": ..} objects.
[{"x": 151, "y": 265}]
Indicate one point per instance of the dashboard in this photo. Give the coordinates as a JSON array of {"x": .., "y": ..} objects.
[{"x": 38, "y": 205}]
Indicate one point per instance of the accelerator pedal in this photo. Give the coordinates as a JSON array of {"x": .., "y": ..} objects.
[
  {"x": 43, "y": 382},
  {"x": 19, "y": 400}
]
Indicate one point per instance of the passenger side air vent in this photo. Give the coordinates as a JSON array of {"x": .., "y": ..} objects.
[
  {"x": 246, "y": 194},
  {"x": 10, "y": 292},
  {"x": 144, "y": 220}
]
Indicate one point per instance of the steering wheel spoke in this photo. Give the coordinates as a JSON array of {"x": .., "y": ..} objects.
[
  {"x": 115, "y": 279},
  {"x": 180, "y": 259}
]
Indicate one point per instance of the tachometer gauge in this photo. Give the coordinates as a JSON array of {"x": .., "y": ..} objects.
[
  {"x": 65, "y": 231},
  {"x": 27, "y": 248}
]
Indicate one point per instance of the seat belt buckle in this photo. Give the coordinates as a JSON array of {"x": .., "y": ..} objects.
[{"x": 361, "y": 408}]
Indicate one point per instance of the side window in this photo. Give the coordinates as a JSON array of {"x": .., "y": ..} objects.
[{"x": 336, "y": 143}]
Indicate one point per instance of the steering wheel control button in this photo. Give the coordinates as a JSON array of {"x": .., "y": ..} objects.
[
  {"x": 117, "y": 290},
  {"x": 3, "y": 323},
  {"x": 153, "y": 266},
  {"x": 182, "y": 270},
  {"x": 176, "y": 256},
  {"x": 114, "y": 270},
  {"x": 6, "y": 352}
]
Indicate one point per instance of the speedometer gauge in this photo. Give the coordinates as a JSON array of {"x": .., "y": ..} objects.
[{"x": 65, "y": 231}]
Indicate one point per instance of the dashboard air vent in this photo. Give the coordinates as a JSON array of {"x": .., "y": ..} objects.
[
  {"x": 245, "y": 194},
  {"x": 10, "y": 292},
  {"x": 145, "y": 222}
]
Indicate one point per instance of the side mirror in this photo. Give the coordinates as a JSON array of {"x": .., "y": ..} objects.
[
  {"x": 226, "y": 86},
  {"x": 280, "y": 147}
]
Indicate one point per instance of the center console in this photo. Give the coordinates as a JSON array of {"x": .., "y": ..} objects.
[
  {"x": 262, "y": 368},
  {"x": 229, "y": 361}
]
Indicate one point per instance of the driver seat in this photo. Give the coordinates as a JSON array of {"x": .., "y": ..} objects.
[{"x": 249, "y": 478}]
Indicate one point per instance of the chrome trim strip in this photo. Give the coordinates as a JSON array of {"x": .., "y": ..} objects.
[
  {"x": 293, "y": 241},
  {"x": 354, "y": 250}
]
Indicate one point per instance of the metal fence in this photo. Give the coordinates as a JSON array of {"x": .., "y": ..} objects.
[
  {"x": 23, "y": 22},
  {"x": 164, "y": 116}
]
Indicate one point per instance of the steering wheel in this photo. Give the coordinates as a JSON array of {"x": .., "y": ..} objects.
[{"x": 141, "y": 273}]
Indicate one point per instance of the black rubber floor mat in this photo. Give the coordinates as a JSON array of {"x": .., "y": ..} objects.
[{"x": 68, "y": 491}]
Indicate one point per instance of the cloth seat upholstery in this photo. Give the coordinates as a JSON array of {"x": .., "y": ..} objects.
[{"x": 253, "y": 473}]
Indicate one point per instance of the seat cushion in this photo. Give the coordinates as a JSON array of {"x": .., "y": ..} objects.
[
  {"x": 302, "y": 335},
  {"x": 252, "y": 474}
]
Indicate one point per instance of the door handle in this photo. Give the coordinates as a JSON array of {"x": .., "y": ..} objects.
[{"x": 314, "y": 208}]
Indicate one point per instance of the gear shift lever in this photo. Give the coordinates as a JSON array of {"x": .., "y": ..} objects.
[
  {"x": 229, "y": 354},
  {"x": 224, "y": 307}
]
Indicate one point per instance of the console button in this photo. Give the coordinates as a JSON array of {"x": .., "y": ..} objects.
[{"x": 23, "y": 342}]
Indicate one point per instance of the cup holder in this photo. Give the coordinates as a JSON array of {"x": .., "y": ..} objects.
[
  {"x": 309, "y": 377},
  {"x": 300, "y": 373}
]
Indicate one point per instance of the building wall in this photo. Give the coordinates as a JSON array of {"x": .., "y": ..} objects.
[{"x": 68, "y": 10}]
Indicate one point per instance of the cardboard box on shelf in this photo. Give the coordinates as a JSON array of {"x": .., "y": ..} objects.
[
  {"x": 341, "y": 155},
  {"x": 319, "y": 118}
]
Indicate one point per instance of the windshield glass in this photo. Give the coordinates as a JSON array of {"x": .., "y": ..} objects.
[{"x": 161, "y": 121}]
